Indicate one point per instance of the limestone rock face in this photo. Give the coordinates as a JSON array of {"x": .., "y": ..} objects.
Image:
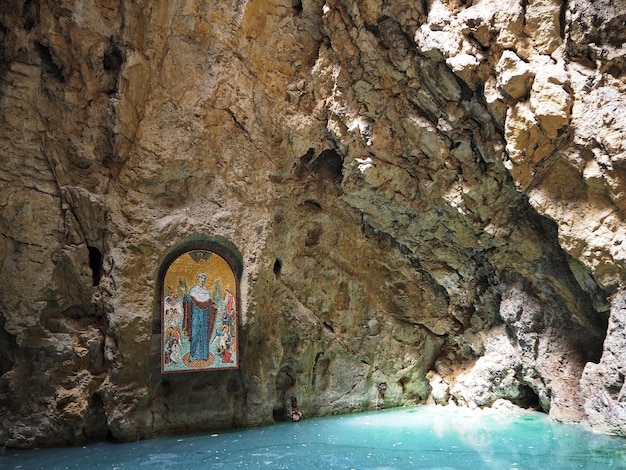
[
  {"x": 428, "y": 199},
  {"x": 605, "y": 405}
]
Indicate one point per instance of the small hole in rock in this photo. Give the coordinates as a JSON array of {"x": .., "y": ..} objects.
[
  {"x": 278, "y": 266},
  {"x": 95, "y": 263},
  {"x": 112, "y": 59}
]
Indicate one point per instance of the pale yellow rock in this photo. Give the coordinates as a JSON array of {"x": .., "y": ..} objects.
[
  {"x": 515, "y": 77},
  {"x": 526, "y": 142},
  {"x": 543, "y": 24},
  {"x": 551, "y": 103}
]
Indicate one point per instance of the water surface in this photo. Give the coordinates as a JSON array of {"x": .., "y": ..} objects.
[{"x": 426, "y": 437}]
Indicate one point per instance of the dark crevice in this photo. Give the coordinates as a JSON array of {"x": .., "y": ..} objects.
[
  {"x": 312, "y": 204},
  {"x": 113, "y": 59},
  {"x": 326, "y": 167},
  {"x": 528, "y": 398},
  {"x": 297, "y": 6},
  {"x": 4, "y": 60},
  {"x": 393, "y": 36},
  {"x": 372, "y": 28},
  {"x": 236, "y": 121},
  {"x": 403, "y": 382},
  {"x": 112, "y": 62},
  {"x": 95, "y": 263},
  {"x": 95, "y": 427},
  {"x": 524, "y": 5},
  {"x": 562, "y": 20},
  {"x": 329, "y": 166},
  {"x": 278, "y": 266},
  {"x": 48, "y": 64},
  {"x": 466, "y": 91},
  {"x": 304, "y": 161},
  {"x": 30, "y": 13},
  {"x": 7, "y": 344},
  {"x": 279, "y": 415},
  {"x": 320, "y": 366}
]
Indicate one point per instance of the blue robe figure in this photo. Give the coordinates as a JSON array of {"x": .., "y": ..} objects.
[{"x": 199, "y": 317}]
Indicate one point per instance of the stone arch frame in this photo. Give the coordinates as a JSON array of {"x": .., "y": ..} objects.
[{"x": 226, "y": 254}]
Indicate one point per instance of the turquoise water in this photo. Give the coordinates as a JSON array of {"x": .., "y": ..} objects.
[{"x": 426, "y": 437}]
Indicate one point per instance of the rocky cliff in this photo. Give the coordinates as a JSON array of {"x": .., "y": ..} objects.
[{"x": 428, "y": 198}]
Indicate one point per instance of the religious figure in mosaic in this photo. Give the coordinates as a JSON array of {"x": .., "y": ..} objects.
[
  {"x": 198, "y": 318},
  {"x": 199, "y": 324}
]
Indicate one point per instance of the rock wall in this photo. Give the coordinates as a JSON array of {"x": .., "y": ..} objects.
[{"x": 428, "y": 198}]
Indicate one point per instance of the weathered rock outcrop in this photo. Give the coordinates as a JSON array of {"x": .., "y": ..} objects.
[
  {"x": 602, "y": 384},
  {"x": 426, "y": 195}
]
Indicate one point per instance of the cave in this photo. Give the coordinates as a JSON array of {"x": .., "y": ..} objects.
[{"x": 425, "y": 195}]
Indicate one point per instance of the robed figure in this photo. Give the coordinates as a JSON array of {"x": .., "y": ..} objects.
[{"x": 199, "y": 318}]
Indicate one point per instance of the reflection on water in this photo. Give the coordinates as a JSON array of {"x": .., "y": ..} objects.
[{"x": 426, "y": 437}]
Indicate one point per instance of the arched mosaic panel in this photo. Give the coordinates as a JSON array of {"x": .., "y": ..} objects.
[{"x": 199, "y": 314}]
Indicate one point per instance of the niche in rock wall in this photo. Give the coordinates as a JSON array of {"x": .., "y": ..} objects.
[{"x": 199, "y": 307}]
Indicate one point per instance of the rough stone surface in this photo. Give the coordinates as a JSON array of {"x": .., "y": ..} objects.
[
  {"x": 603, "y": 384},
  {"x": 426, "y": 195}
]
